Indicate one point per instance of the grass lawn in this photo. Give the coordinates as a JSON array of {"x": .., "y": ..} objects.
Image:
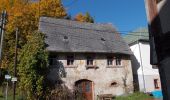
[
  {"x": 135, "y": 96},
  {"x": 10, "y": 94}
]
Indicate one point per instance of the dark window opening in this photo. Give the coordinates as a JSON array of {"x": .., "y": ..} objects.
[
  {"x": 52, "y": 60},
  {"x": 114, "y": 84},
  {"x": 157, "y": 1},
  {"x": 70, "y": 60},
  {"x": 103, "y": 39},
  {"x": 109, "y": 60},
  {"x": 118, "y": 60},
  {"x": 89, "y": 61},
  {"x": 156, "y": 84},
  {"x": 65, "y": 37}
]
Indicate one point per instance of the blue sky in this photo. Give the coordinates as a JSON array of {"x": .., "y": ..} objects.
[{"x": 125, "y": 15}]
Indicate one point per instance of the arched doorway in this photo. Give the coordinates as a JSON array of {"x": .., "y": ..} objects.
[{"x": 85, "y": 87}]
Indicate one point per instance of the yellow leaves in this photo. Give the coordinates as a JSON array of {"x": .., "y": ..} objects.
[
  {"x": 25, "y": 15},
  {"x": 52, "y": 8},
  {"x": 84, "y": 18},
  {"x": 80, "y": 17}
]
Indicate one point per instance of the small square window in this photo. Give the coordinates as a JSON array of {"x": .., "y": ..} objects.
[
  {"x": 70, "y": 60},
  {"x": 156, "y": 84},
  {"x": 52, "y": 60},
  {"x": 89, "y": 61},
  {"x": 118, "y": 61},
  {"x": 109, "y": 60}
]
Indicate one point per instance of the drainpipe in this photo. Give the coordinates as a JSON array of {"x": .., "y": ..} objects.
[{"x": 141, "y": 64}]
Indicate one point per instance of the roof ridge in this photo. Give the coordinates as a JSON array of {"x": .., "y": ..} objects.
[{"x": 77, "y": 24}]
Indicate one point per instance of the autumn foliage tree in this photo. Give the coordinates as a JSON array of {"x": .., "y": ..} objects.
[
  {"x": 24, "y": 15},
  {"x": 84, "y": 18}
]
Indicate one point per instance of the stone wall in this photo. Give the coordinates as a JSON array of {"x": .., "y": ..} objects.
[{"x": 103, "y": 77}]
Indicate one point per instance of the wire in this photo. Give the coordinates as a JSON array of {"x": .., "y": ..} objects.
[{"x": 115, "y": 32}]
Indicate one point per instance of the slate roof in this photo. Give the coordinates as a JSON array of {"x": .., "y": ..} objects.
[
  {"x": 72, "y": 36},
  {"x": 138, "y": 34}
]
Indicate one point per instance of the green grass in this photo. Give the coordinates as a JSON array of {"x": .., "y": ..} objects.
[
  {"x": 10, "y": 94},
  {"x": 10, "y": 97},
  {"x": 134, "y": 96}
]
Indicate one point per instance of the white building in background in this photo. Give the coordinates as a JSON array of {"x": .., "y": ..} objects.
[{"x": 146, "y": 76}]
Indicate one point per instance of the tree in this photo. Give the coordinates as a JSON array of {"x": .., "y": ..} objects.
[
  {"x": 89, "y": 18},
  {"x": 32, "y": 68},
  {"x": 84, "y": 18},
  {"x": 25, "y": 14}
]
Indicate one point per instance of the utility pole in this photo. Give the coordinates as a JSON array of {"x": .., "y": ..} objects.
[
  {"x": 15, "y": 64},
  {"x": 141, "y": 65},
  {"x": 3, "y": 22}
]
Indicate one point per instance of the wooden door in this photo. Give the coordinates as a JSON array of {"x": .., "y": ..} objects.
[{"x": 85, "y": 87}]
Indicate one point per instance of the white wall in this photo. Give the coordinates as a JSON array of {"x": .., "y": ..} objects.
[{"x": 141, "y": 63}]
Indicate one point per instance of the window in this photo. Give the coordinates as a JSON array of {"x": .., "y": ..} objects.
[
  {"x": 156, "y": 84},
  {"x": 70, "y": 60},
  {"x": 109, "y": 60},
  {"x": 118, "y": 61},
  {"x": 89, "y": 61},
  {"x": 52, "y": 60}
]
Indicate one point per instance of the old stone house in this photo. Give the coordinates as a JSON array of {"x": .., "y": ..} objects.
[{"x": 93, "y": 57}]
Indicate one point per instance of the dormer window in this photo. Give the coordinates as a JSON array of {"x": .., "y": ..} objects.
[
  {"x": 65, "y": 38},
  {"x": 103, "y": 39}
]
